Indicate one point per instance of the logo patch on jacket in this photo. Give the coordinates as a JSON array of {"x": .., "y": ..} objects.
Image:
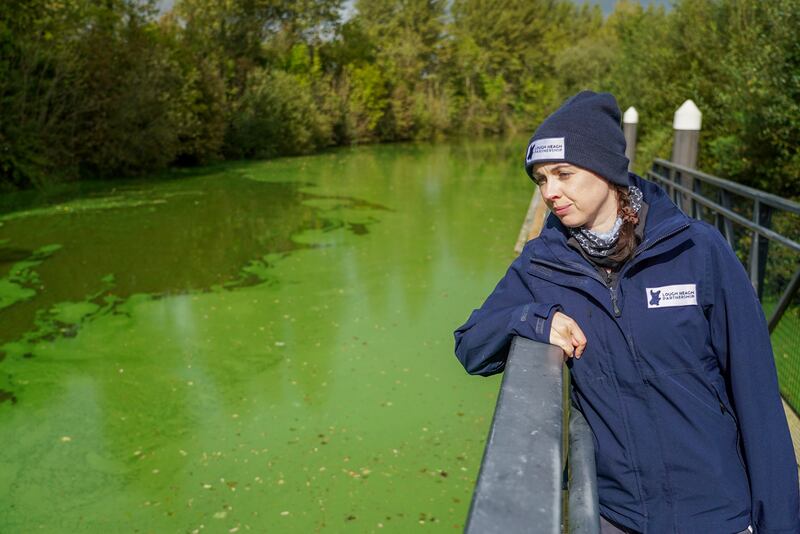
[
  {"x": 675, "y": 295},
  {"x": 550, "y": 148}
]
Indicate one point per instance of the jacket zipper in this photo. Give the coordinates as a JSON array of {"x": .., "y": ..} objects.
[
  {"x": 729, "y": 412},
  {"x": 612, "y": 289},
  {"x": 576, "y": 269}
]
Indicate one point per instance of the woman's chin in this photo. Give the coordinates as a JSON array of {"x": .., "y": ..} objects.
[{"x": 570, "y": 221}]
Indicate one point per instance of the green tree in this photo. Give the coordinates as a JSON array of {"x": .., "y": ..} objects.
[{"x": 406, "y": 36}]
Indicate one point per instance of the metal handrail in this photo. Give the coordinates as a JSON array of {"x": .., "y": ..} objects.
[
  {"x": 584, "y": 501},
  {"x": 734, "y": 187},
  {"x": 519, "y": 488},
  {"x": 733, "y": 216},
  {"x": 783, "y": 303},
  {"x": 763, "y": 206}
]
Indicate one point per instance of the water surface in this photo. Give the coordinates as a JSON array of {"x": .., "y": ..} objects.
[{"x": 258, "y": 346}]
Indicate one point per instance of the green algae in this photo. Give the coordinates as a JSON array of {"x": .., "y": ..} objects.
[
  {"x": 197, "y": 237},
  {"x": 280, "y": 361},
  {"x": 73, "y": 312},
  {"x": 11, "y": 291},
  {"x": 18, "y": 284}
]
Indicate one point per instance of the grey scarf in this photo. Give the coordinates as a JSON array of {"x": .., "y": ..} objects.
[{"x": 602, "y": 244}]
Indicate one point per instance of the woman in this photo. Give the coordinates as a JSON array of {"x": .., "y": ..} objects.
[{"x": 669, "y": 352}]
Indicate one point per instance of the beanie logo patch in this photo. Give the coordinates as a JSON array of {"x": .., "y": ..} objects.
[{"x": 549, "y": 148}]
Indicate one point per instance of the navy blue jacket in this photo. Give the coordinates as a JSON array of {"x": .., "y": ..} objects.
[{"x": 677, "y": 382}]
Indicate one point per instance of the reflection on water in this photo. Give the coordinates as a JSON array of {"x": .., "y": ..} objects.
[
  {"x": 265, "y": 346},
  {"x": 192, "y": 235}
]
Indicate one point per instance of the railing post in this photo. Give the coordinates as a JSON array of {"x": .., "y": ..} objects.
[
  {"x": 724, "y": 224},
  {"x": 697, "y": 208},
  {"x": 686, "y": 124},
  {"x": 674, "y": 193},
  {"x": 629, "y": 122},
  {"x": 762, "y": 215}
]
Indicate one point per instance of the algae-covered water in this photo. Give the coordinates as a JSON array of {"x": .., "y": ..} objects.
[{"x": 259, "y": 347}]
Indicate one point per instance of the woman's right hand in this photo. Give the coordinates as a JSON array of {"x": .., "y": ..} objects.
[{"x": 565, "y": 333}]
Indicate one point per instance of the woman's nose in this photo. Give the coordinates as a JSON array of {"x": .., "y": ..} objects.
[{"x": 549, "y": 190}]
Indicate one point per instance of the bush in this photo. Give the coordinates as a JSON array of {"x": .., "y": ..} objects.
[{"x": 276, "y": 115}]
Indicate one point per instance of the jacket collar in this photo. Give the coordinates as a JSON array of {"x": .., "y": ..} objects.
[{"x": 662, "y": 219}]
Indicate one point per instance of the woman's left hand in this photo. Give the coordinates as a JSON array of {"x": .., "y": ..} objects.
[{"x": 565, "y": 333}]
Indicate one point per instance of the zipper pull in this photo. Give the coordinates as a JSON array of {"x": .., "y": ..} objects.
[
  {"x": 614, "y": 304},
  {"x": 617, "y": 311}
]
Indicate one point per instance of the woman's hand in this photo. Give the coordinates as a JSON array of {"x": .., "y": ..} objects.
[{"x": 565, "y": 333}]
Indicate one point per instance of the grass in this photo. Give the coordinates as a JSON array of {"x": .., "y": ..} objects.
[{"x": 786, "y": 347}]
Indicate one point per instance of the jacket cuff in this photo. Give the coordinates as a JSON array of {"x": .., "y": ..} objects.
[{"x": 533, "y": 321}]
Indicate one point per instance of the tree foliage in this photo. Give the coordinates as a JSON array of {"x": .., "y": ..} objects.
[{"x": 110, "y": 89}]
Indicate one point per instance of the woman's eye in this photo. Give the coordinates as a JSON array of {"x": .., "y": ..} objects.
[{"x": 564, "y": 174}]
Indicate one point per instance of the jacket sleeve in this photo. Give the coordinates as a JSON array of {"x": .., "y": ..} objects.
[
  {"x": 741, "y": 341},
  {"x": 482, "y": 342}
]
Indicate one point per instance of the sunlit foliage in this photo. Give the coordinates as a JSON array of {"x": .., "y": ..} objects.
[{"x": 115, "y": 88}]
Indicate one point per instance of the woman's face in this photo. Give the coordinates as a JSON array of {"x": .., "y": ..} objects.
[{"x": 576, "y": 196}]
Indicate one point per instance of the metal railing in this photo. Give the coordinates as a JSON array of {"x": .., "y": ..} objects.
[
  {"x": 691, "y": 190},
  {"x": 522, "y": 474}
]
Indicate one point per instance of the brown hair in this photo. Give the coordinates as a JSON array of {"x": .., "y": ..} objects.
[{"x": 627, "y": 238}]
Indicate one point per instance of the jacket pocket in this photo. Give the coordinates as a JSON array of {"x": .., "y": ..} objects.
[
  {"x": 724, "y": 404},
  {"x": 727, "y": 410},
  {"x": 708, "y": 402}
]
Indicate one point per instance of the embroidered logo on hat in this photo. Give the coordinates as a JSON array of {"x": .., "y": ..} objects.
[
  {"x": 549, "y": 148},
  {"x": 675, "y": 295}
]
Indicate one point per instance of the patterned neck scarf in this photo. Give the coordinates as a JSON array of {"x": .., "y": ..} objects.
[{"x": 601, "y": 244}]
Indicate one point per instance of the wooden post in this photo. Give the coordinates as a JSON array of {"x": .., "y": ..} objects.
[
  {"x": 629, "y": 122},
  {"x": 534, "y": 221},
  {"x": 686, "y": 124}
]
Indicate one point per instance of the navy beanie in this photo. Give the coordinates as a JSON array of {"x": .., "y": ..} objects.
[{"x": 584, "y": 131}]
